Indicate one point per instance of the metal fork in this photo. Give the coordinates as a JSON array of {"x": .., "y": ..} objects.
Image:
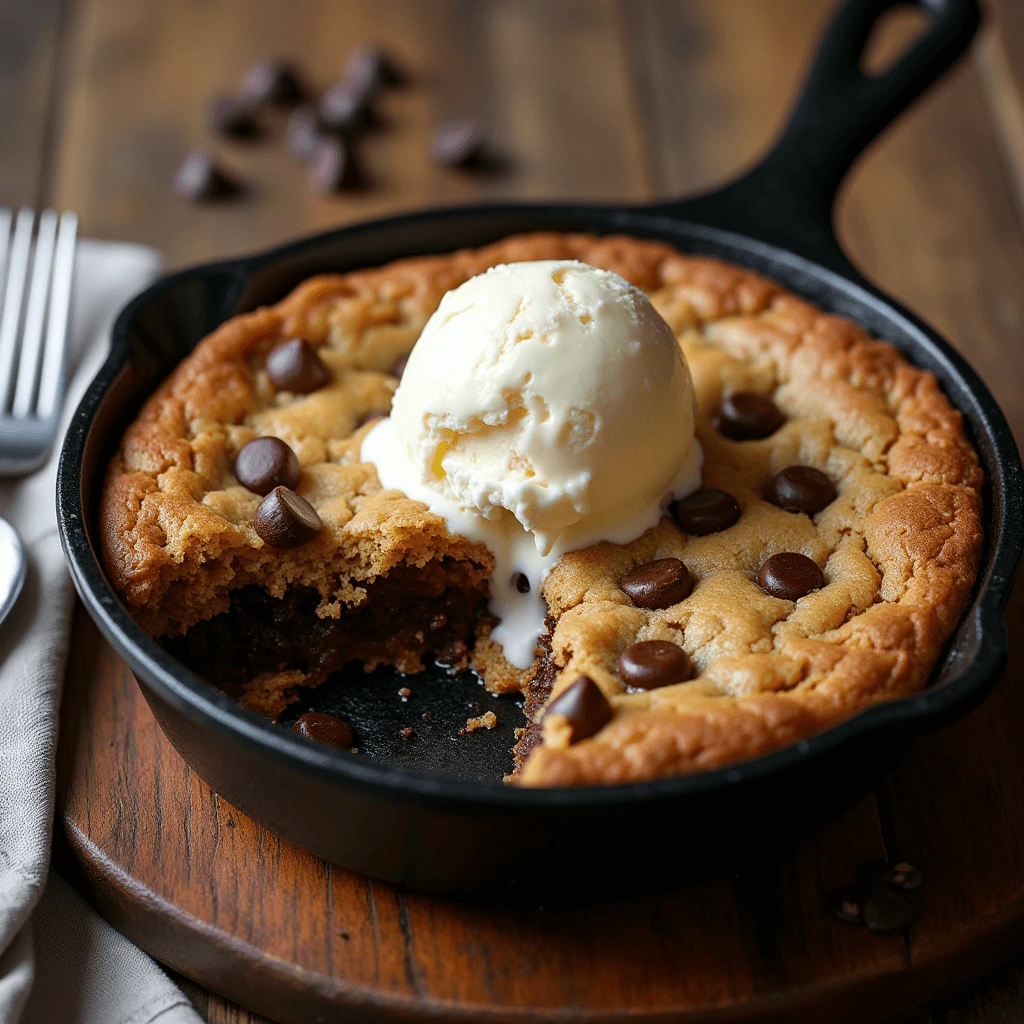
[{"x": 36, "y": 273}]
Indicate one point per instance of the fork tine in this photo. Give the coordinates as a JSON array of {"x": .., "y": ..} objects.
[
  {"x": 14, "y": 293},
  {"x": 51, "y": 376},
  {"x": 6, "y": 219},
  {"x": 31, "y": 352}
]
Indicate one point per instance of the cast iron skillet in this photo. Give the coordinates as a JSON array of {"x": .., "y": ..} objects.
[{"x": 430, "y": 812}]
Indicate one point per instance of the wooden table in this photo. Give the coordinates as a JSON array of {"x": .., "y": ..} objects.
[{"x": 591, "y": 99}]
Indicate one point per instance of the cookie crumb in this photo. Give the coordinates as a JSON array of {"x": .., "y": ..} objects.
[
  {"x": 427, "y": 716},
  {"x": 488, "y": 720},
  {"x": 406, "y": 731},
  {"x": 405, "y": 693}
]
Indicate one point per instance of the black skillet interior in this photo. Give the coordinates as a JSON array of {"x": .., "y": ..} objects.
[{"x": 777, "y": 220}]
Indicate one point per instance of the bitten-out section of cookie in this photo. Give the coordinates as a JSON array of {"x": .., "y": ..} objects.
[{"x": 692, "y": 517}]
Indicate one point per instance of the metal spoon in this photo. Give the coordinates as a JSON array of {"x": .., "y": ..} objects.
[{"x": 12, "y": 567}]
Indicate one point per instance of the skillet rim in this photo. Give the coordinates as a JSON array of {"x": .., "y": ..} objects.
[{"x": 201, "y": 701}]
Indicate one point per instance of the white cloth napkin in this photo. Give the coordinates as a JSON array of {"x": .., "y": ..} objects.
[{"x": 59, "y": 962}]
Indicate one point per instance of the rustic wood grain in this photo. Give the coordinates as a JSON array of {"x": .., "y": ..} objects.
[
  {"x": 30, "y": 47},
  {"x": 598, "y": 100}
]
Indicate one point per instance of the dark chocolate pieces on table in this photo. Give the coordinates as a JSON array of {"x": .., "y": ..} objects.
[
  {"x": 234, "y": 118},
  {"x": 584, "y": 707},
  {"x": 271, "y": 83},
  {"x": 801, "y": 489},
  {"x": 790, "y": 575},
  {"x": 333, "y": 166},
  {"x": 324, "y": 728},
  {"x": 749, "y": 416},
  {"x": 201, "y": 179},
  {"x": 658, "y": 584},
  {"x": 876, "y": 900},
  {"x": 266, "y": 463},
  {"x": 295, "y": 366},
  {"x": 286, "y": 520},
  {"x": 706, "y": 511},
  {"x": 651, "y": 664}
]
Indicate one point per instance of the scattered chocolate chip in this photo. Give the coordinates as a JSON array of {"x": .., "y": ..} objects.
[
  {"x": 844, "y": 903},
  {"x": 800, "y": 489},
  {"x": 658, "y": 584},
  {"x": 459, "y": 144},
  {"x": 285, "y": 519},
  {"x": 650, "y": 664},
  {"x": 333, "y": 167},
  {"x": 266, "y": 463},
  {"x": 406, "y": 732},
  {"x": 371, "y": 417},
  {"x": 295, "y": 366},
  {"x": 199, "y": 178},
  {"x": 233, "y": 117},
  {"x": 902, "y": 876},
  {"x": 324, "y": 728},
  {"x": 399, "y": 368},
  {"x": 405, "y": 693},
  {"x": 790, "y": 575},
  {"x": 303, "y": 133},
  {"x": 522, "y": 584},
  {"x": 370, "y": 69},
  {"x": 747, "y": 416},
  {"x": 706, "y": 511},
  {"x": 271, "y": 82},
  {"x": 345, "y": 108},
  {"x": 887, "y": 913},
  {"x": 584, "y": 707}
]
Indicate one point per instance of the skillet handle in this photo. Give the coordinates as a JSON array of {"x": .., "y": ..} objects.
[{"x": 787, "y": 199}]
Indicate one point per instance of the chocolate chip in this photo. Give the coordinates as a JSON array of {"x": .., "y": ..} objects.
[
  {"x": 266, "y": 463},
  {"x": 370, "y": 69},
  {"x": 887, "y": 913},
  {"x": 399, "y": 368},
  {"x": 459, "y": 144},
  {"x": 333, "y": 167},
  {"x": 232, "y": 117},
  {"x": 324, "y": 728},
  {"x": 285, "y": 519},
  {"x": 800, "y": 489},
  {"x": 303, "y": 133},
  {"x": 522, "y": 584},
  {"x": 371, "y": 417},
  {"x": 706, "y": 511},
  {"x": 790, "y": 575},
  {"x": 658, "y": 584},
  {"x": 584, "y": 707},
  {"x": 902, "y": 876},
  {"x": 345, "y": 108},
  {"x": 295, "y": 366},
  {"x": 199, "y": 178},
  {"x": 746, "y": 416},
  {"x": 844, "y": 904},
  {"x": 271, "y": 82},
  {"x": 650, "y": 664}
]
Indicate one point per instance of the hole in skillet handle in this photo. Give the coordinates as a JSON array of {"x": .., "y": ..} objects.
[{"x": 892, "y": 36}]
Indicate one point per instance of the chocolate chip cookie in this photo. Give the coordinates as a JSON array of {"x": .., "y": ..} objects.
[{"x": 828, "y": 556}]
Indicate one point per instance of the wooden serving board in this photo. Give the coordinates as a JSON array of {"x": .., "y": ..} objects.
[{"x": 223, "y": 901}]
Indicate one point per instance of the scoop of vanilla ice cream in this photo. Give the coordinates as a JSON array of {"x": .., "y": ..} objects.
[{"x": 546, "y": 406}]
